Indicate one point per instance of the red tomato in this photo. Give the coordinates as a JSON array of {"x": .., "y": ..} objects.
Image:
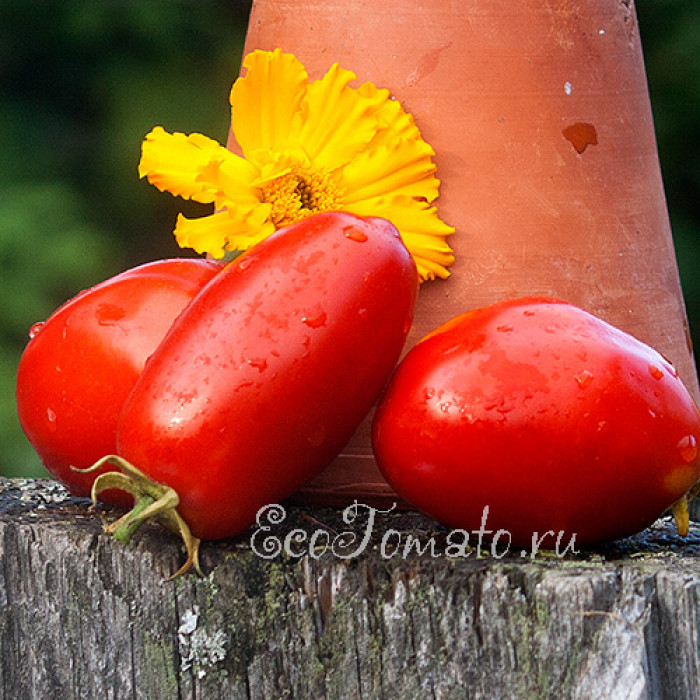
[
  {"x": 548, "y": 416},
  {"x": 268, "y": 372},
  {"x": 80, "y": 365}
]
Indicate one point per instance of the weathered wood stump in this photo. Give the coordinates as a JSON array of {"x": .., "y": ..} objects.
[{"x": 82, "y": 616}]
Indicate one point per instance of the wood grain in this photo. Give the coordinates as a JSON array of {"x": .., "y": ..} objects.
[{"x": 84, "y": 617}]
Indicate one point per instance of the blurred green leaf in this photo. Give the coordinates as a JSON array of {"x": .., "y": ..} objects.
[
  {"x": 670, "y": 31},
  {"x": 48, "y": 252},
  {"x": 83, "y": 83},
  {"x": 17, "y": 457}
]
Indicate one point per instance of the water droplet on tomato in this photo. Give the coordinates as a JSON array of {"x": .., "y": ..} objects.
[
  {"x": 466, "y": 415},
  {"x": 504, "y": 329},
  {"x": 51, "y": 417},
  {"x": 362, "y": 313},
  {"x": 688, "y": 448},
  {"x": 306, "y": 344},
  {"x": 584, "y": 379},
  {"x": 314, "y": 317},
  {"x": 354, "y": 234},
  {"x": 670, "y": 368},
  {"x": 187, "y": 397},
  {"x": 244, "y": 262},
  {"x": 260, "y": 363},
  {"x": 244, "y": 385},
  {"x": 445, "y": 407},
  {"x": 35, "y": 329},
  {"x": 109, "y": 314},
  {"x": 655, "y": 372}
]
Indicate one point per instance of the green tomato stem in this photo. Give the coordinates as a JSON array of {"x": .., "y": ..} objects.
[
  {"x": 127, "y": 528},
  {"x": 152, "y": 501}
]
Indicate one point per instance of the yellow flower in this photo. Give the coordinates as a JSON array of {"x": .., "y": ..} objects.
[{"x": 306, "y": 147}]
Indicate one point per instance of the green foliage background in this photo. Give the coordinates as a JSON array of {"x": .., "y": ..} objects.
[
  {"x": 82, "y": 83},
  {"x": 84, "y": 80}
]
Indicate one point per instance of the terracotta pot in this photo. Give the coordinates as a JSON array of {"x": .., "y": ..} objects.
[{"x": 539, "y": 113}]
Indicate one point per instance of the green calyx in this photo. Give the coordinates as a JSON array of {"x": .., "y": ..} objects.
[{"x": 152, "y": 501}]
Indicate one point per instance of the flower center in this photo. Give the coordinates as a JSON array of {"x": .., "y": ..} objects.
[{"x": 300, "y": 193}]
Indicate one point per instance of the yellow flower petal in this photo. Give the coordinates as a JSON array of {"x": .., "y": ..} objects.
[
  {"x": 398, "y": 167},
  {"x": 232, "y": 178},
  {"x": 173, "y": 162},
  {"x": 394, "y": 122},
  {"x": 337, "y": 121},
  {"x": 272, "y": 165},
  {"x": 307, "y": 147},
  {"x": 397, "y": 161},
  {"x": 265, "y": 100},
  {"x": 206, "y": 234},
  {"x": 222, "y": 231},
  {"x": 421, "y": 229}
]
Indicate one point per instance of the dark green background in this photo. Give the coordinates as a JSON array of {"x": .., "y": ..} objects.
[{"x": 84, "y": 80}]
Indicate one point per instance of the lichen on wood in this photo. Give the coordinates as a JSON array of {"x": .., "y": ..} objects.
[{"x": 82, "y": 616}]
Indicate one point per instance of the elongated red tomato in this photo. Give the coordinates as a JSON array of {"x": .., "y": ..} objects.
[
  {"x": 80, "y": 365},
  {"x": 548, "y": 417},
  {"x": 267, "y": 373}
]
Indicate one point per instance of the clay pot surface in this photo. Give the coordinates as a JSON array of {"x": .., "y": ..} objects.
[{"x": 539, "y": 114}]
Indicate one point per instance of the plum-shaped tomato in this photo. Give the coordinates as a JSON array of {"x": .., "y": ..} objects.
[
  {"x": 81, "y": 364},
  {"x": 544, "y": 414}
]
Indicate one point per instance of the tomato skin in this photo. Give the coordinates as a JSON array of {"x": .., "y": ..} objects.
[
  {"x": 266, "y": 375},
  {"x": 80, "y": 365},
  {"x": 549, "y": 416}
]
